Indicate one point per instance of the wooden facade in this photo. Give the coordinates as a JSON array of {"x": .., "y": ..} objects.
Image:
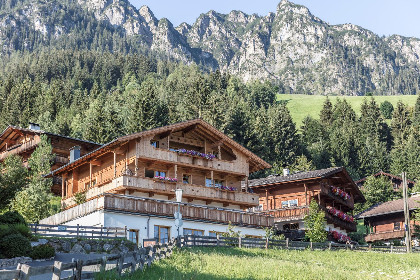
[
  {"x": 288, "y": 197},
  {"x": 182, "y": 155},
  {"x": 385, "y": 222},
  {"x": 396, "y": 181},
  {"x": 23, "y": 142}
]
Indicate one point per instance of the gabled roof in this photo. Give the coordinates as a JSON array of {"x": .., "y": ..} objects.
[
  {"x": 304, "y": 176},
  {"x": 384, "y": 174},
  {"x": 255, "y": 161},
  {"x": 14, "y": 129},
  {"x": 394, "y": 206}
]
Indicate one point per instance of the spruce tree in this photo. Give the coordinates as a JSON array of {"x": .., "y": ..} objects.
[
  {"x": 326, "y": 114},
  {"x": 400, "y": 123}
]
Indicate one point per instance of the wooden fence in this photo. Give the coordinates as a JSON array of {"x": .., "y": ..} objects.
[
  {"x": 220, "y": 241},
  {"x": 121, "y": 263},
  {"x": 78, "y": 231}
]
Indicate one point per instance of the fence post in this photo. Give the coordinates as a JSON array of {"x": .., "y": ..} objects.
[
  {"x": 125, "y": 232},
  {"x": 101, "y": 231},
  {"x": 193, "y": 240},
  {"x": 312, "y": 248},
  {"x": 57, "y": 270},
  {"x": 77, "y": 230},
  {"x": 240, "y": 242},
  {"x": 134, "y": 262},
  {"x": 36, "y": 227},
  {"x": 287, "y": 243},
  {"x": 120, "y": 264},
  {"x": 103, "y": 263},
  {"x": 79, "y": 267},
  {"x": 329, "y": 245},
  {"x": 370, "y": 247},
  {"x": 218, "y": 240},
  {"x": 392, "y": 248},
  {"x": 24, "y": 272},
  {"x": 351, "y": 247},
  {"x": 266, "y": 243}
]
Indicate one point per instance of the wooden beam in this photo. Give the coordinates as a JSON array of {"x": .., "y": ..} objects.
[
  {"x": 151, "y": 194},
  {"x": 225, "y": 204},
  {"x": 90, "y": 175},
  {"x": 115, "y": 164},
  {"x": 190, "y": 199},
  {"x": 266, "y": 199},
  {"x": 208, "y": 202},
  {"x": 189, "y": 128},
  {"x": 136, "y": 166},
  {"x": 171, "y": 196},
  {"x": 306, "y": 194},
  {"x": 176, "y": 171},
  {"x": 165, "y": 134},
  {"x": 96, "y": 162},
  {"x": 62, "y": 186}
]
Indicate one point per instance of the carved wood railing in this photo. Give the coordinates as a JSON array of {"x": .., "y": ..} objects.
[
  {"x": 17, "y": 149},
  {"x": 386, "y": 235},
  {"x": 326, "y": 190},
  {"x": 288, "y": 214}
]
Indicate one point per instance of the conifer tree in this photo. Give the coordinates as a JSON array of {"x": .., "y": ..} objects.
[
  {"x": 326, "y": 114},
  {"x": 400, "y": 123}
]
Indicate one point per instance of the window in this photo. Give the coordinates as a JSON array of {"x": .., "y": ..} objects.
[
  {"x": 215, "y": 233},
  {"x": 219, "y": 183},
  {"x": 294, "y": 226},
  {"x": 396, "y": 186},
  {"x": 87, "y": 185},
  {"x": 133, "y": 236},
  {"x": 154, "y": 144},
  {"x": 253, "y": 236},
  {"x": 160, "y": 173},
  {"x": 162, "y": 234},
  {"x": 149, "y": 173},
  {"x": 197, "y": 232},
  {"x": 186, "y": 179},
  {"x": 397, "y": 226},
  {"x": 289, "y": 203},
  {"x": 209, "y": 183}
]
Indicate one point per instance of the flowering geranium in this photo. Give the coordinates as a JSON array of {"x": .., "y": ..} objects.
[
  {"x": 166, "y": 179},
  {"x": 195, "y": 153},
  {"x": 226, "y": 188},
  {"x": 340, "y": 237},
  {"x": 339, "y": 192},
  {"x": 343, "y": 216}
]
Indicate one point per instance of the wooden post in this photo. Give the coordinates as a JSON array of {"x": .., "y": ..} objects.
[
  {"x": 115, "y": 164},
  {"x": 57, "y": 270},
  {"x": 136, "y": 166},
  {"x": 79, "y": 267},
  {"x": 406, "y": 214},
  {"x": 240, "y": 242},
  {"x": 103, "y": 263},
  {"x": 329, "y": 246},
  {"x": 266, "y": 243},
  {"x": 125, "y": 232},
  {"x": 90, "y": 175},
  {"x": 218, "y": 240},
  {"x": 312, "y": 248},
  {"x": 176, "y": 171},
  {"x": 212, "y": 178},
  {"x": 370, "y": 247},
  {"x": 392, "y": 248},
  {"x": 120, "y": 264},
  {"x": 77, "y": 230},
  {"x": 266, "y": 199},
  {"x": 24, "y": 273},
  {"x": 62, "y": 186},
  {"x": 219, "y": 154},
  {"x": 287, "y": 243},
  {"x": 306, "y": 194}
]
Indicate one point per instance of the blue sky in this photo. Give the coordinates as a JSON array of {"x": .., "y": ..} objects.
[{"x": 384, "y": 17}]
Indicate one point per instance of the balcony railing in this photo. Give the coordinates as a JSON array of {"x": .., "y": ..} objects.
[
  {"x": 398, "y": 234},
  {"x": 160, "y": 208},
  {"x": 61, "y": 160},
  {"x": 338, "y": 222},
  {"x": 20, "y": 148},
  {"x": 326, "y": 190},
  {"x": 234, "y": 166},
  {"x": 152, "y": 186},
  {"x": 288, "y": 214}
]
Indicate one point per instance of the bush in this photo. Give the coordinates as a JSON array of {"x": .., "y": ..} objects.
[
  {"x": 22, "y": 229},
  {"x": 11, "y": 218},
  {"x": 15, "y": 245},
  {"x": 387, "y": 109},
  {"x": 45, "y": 251}
]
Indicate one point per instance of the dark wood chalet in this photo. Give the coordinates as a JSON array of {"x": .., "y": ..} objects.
[
  {"x": 23, "y": 141},
  {"x": 397, "y": 182},
  {"x": 385, "y": 222},
  {"x": 287, "y": 198}
]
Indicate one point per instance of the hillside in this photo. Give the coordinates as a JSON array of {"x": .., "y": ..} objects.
[
  {"x": 225, "y": 263},
  {"x": 301, "y": 105},
  {"x": 290, "y": 46}
]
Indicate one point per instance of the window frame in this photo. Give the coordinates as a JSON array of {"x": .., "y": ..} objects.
[
  {"x": 397, "y": 226},
  {"x": 289, "y": 203},
  {"x": 216, "y": 233},
  {"x": 160, "y": 227},
  {"x": 193, "y": 231},
  {"x": 136, "y": 235},
  {"x": 154, "y": 144},
  {"x": 211, "y": 182},
  {"x": 189, "y": 178}
]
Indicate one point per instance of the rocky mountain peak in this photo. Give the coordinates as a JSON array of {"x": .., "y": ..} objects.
[{"x": 148, "y": 15}]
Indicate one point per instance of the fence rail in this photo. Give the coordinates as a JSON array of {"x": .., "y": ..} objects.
[
  {"x": 221, "y": 241},
  {"x": 78, "y": 231},
  {"x": 122, "y": 263}
]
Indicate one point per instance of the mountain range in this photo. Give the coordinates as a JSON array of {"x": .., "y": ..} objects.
[{"x": 291, "y": 47}]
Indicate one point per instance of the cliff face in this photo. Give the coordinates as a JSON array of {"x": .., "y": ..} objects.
[{"x": 291, "y": 47}]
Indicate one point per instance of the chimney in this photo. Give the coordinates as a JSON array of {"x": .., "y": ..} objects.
[
  {"x": 74, "y": 153},
  {"x": 286, "y": 172},
  {"x": 34, "y": 126}
]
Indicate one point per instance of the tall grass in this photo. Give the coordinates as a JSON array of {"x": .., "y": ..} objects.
[{"x": 235, "y": 263}]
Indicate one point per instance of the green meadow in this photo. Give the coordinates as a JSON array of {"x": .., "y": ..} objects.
[
  {"x": 301, "y": 105},
  {"x": 238, "y": 264}
]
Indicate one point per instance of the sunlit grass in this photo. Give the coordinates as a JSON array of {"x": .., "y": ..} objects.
[
  {"x": 234, "y": 263},
  {"x": 301, "y": 105}
]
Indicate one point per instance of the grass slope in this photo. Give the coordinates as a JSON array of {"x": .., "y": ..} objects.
[
  {"x": 301, "y": 105},
  {"x": 235, "y": 263}
]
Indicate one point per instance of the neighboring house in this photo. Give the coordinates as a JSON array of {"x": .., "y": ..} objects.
[
  {"x": 22, "y": 141},
  {"x": 287, "y": 198},
  {"x": 385, "y": 221},
  {"x": 395, "y": 180},
  {"x": 131, "y": 182}
]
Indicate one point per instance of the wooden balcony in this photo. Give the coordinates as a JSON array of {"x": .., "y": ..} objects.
[
  {"x": 326, "y": 191},
  {"x": 288, "y": 214},
  {"x": 20, "y": 148},
  {"x": 167, "y": 156},
  {"x": 166, "y": 209},
  {"x": 349, "y": 226},
  {"x": 398, "y": 234},
  {"x": 60, "y": 160},
  {"x": 152, "y": 187}
]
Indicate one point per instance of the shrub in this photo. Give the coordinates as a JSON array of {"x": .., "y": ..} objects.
[
  {"x": 15, "y": 245},
  {"x": 387, "y": 109},
  {"x": 45, "y": 251},
  {"x": 11, "y": 218},
  {"x": 22, "y": 229}
]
